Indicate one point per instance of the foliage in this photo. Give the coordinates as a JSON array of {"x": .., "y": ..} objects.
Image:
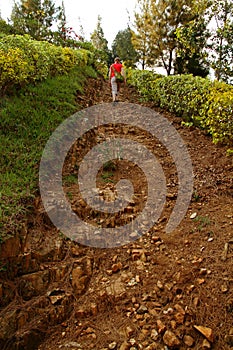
[
  {"x": 5, "y": 28},
  {"x": 222, "y": 40},
  {"x": 192, "y": 39},
  {"x": 122, "y": 46},
  {"x": 23, "y": 60},
  {"x": 66, "y": 35},
  {"x": 186, "y": 36},
  {"x": 141, "y": 37},
  {"x": 143, "y": 81},
  {"x": 156, "y": 26},
  {"x": 36, "y": 18},
  {"x": 198, "y": 101},
  {"x": 26, "y": 122},
  {"x": 100, "y": 44},
  {"x": 219, "y": 112}
]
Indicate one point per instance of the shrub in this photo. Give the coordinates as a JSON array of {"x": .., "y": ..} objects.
[
  {"x": 24, "y": 60},
  {"x": 197, "y": 100},
  {"x": 143, "y": 81},
  {"x": 219, "y": 112}
]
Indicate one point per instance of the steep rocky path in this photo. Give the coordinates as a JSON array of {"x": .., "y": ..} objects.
[{"x": 163, "y": 291}]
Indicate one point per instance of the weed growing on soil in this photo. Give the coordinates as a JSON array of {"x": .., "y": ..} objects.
[{"x": 203, "y": 221}]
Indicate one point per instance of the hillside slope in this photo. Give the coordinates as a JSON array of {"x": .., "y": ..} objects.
[{"x": 154, "y": 293}]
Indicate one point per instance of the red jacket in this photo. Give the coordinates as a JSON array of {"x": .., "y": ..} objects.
[{"x": 117, "y": 66}]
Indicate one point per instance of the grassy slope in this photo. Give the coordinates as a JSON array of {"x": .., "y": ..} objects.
[{"x": 26, "y": 122}]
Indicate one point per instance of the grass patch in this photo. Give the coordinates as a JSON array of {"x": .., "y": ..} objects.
[{"x": 27, "y": 120}]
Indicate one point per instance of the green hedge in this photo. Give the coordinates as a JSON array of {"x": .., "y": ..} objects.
[
  {"x": 24, "y": 60},
  {"x": 200, "y": 102}
]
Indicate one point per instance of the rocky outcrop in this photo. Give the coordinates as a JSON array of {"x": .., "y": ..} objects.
[{"x": 39, "y": 283}]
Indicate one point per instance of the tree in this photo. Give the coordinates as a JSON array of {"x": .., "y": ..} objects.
[
  {"x": 35, "y": 17},
  {"x": 191, "y": 55},
  {"x": 156, "y": 26},
  {"x": 65, "y": 35},
  {"x": 141, "y": 35},
  {"x": 100, "y": 43},
  {"x": 168, "y": 16},
  {"x": 5, "y": 28},
  {"x": 221, "y": 46},
  {"x": 122, "y": 46}
]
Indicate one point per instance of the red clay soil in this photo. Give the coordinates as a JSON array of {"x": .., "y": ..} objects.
[{"x": 162, "y": 291}]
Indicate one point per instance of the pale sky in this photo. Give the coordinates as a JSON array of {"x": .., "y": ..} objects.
[{"x": 114, "y": 14}]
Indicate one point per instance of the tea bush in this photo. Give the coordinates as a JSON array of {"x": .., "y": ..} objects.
[
  {"x": 24, "y": 60},
  {"x": 219, "y": 112},
  {"x": 200, "y": 102}
]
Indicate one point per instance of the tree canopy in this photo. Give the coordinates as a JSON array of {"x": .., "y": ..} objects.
[
  {"x": 185, "y": 36},
  {"x": 35, "y": 17},
  {"x": 122, "y": 46},
  {"x": 100, "y": 43}
]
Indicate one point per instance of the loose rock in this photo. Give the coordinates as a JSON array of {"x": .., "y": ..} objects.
[
  {"x": 170, "y": 339},
  {"x": 188, "y": 340},
  {"x": 206, "y": 331},
  {"x": 112, "y": 346},
  {"x": 142, "y": 310},
  {"x": 205, "y": 344}
]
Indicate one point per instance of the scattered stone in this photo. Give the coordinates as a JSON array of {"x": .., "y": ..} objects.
[
  {"x": 154, "y": 334},
  {"x": 205, "y": 344},
  {"x": 80, "y": 313},
  {"x": 203, "y": 271},
  {"x": 81, "y": 274},
  {"x": 179, "y": 317},
  {"x": 170, "y": 339},
  {"x": 143, "y": 257},
  {"x": 188, "y": 340},
  {"x": 161, "y": 326},
  {"x": 206, "y": 331},
  {"x": 129, "y": 331},
  {"x": 225, "y": 251},
  {"x": 94, "y": 309},
  {"x": 116, "y": 289},
  {"x": 169, "y": 286},
  {"x": 71, "y": 344},
  {"x": 200, "y": 280},
  {"x": 193, "y": 215},
  {"x": 112, "y": 346},
  {"x": 124, "y": 346},
  {"x": 116, "y": 267},
  {"x": 179, "y": 309},
  {"x": 132, "y": 341},
  {"x": 137, "y": 278},
  {"x": 168, "y": 311},
  {"x": 132, "y": 282},
  {"x": 89, "y": 330},
  {"x": 224, "y": 288},
  {"x": 159, "y": 285},
  {"x": 142, "y": 310},
  {"x": 173, "y": 324}
]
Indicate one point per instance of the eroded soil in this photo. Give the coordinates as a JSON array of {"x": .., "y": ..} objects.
[{"x": 152, "y": 293}]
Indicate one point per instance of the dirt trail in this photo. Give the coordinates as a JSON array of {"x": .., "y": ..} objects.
[{"x": 154, "y": 293}]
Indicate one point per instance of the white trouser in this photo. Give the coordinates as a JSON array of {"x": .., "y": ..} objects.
[{"x": 114, "y": 87}]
